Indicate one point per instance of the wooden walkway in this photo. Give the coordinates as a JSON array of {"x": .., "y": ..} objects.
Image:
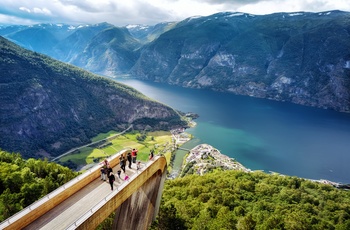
[{"x": 66, "y": 213}]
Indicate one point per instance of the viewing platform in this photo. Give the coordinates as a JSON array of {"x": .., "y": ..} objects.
[{"x": 85, "y": 201}]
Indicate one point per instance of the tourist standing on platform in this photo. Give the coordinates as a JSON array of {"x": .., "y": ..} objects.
[
  {"x": 134, "y": 155},
  {"x": 138, "y": 166},
  {"x": 129, "y": 159},
  {"x": 105, "y": 165},
  {"x": 122, "y": 163},
  {"x": 109, "y": 170},
  {"x": 151, "y": 154},
  {"x": 111, "y": 176},
  {"x": 124, "y": 159}
]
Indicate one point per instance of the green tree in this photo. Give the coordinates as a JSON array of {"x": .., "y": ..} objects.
[
  {"x": 22, "y": 182},
  {"x": 246, "y": 223},
  {"x": 256, "y": 200},
  {"x": 9, "y": 204},
  {"x": 30, "y": 193},
  {"x": 168, "y": 220}
]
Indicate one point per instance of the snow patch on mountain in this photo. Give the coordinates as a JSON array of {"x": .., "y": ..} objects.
[
  {"x": 295, "y": 14},
  {"x": 135, "y": 26}
]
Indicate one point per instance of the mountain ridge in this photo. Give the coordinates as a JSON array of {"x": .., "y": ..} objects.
[
  {"x": 299, "y": 57},
  {"x": 48, "y": 107}
]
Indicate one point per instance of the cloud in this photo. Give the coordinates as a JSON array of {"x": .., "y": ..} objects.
[
  {"x": 13, "y": 20},
  {"x": 115, "y": 12},
  {"x": 230, "y": 2},
  {"x": 24, "y": 9},
  {"x": 36, "y": 10},
  {"x": 26, "y": 12},
  {"x": 91, "y": 6},
  {"x": 123, "y": 12},
  {"x": 41, "y": 11},
  {"x": 269, "y": 6}
]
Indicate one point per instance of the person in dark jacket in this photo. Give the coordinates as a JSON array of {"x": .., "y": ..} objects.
[
  {"x": 111, "y": 176},
  {"x": 129, "y": 159},
  {"x": 122, "y": 163},
  {"x": 151, "y": 154}
]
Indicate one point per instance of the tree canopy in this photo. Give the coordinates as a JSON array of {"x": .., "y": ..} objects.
[
  {"x": 22, "y": 182},
  {"x": 239, "y": 200}
]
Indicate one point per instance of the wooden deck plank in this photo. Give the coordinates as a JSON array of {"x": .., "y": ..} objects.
[{"x": 66, "y": 213}]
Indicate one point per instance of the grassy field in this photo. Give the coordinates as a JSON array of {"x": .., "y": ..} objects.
[
  {"x": 102, "y": 136},
  {"x": 160, "y": 141}
]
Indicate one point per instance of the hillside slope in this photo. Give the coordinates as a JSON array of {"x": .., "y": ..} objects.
[
  {"x": 238, "y": 200},
  {"x": 112, "y": 51},
  {"x": 48, "y": 107},
  {"x": 300, "y": 57}
]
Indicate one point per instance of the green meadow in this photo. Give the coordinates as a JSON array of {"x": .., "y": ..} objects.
[{"x": 159, "y": 141}]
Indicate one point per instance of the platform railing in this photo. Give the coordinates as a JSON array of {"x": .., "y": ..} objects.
[
  {"x": 54, "y": 193},
  {"x": 108, "y": 197}
]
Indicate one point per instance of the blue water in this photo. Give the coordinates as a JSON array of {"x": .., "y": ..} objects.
[{"x": 263, "y": 134}]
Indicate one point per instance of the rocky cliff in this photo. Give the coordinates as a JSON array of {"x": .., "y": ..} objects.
[
  {"x": 298, "y": 57},
  {"x": 48, "y": 107}
]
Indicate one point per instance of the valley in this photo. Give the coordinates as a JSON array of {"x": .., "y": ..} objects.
[
  {"x": 302, "y": 58},
  {"x": 267, "y": 82},
  {"x": 86, "y": 157},
  {"x": 50, "y": 107}
]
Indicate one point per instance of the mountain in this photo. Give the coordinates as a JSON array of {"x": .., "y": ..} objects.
[
  {"x": 299, "y": 57},
  {"x": 5, "y": 30},
  {"x": 111, "y": 51},
  {"x": 40, "y": 38},
  {"x": 48, "y": 107},
  {"x": 68, "y": 48},
  {"x": 101, "y": 48},
  {"x": 60, "y": 41},
  {"x": 146, "y": 33}
]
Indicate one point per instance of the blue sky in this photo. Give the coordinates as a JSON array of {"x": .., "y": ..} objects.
[{"x": 124, "y": 12}]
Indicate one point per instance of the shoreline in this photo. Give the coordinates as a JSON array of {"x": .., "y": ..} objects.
[
  {"x": 201, "y": 152},
  {"x": 205, "y": 155}
]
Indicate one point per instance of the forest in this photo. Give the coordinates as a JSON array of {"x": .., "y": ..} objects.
[
  {"x": 257, "y": 200},
  {"x": 217, "y": 200},
  {"x": 22, "y": 182}
]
